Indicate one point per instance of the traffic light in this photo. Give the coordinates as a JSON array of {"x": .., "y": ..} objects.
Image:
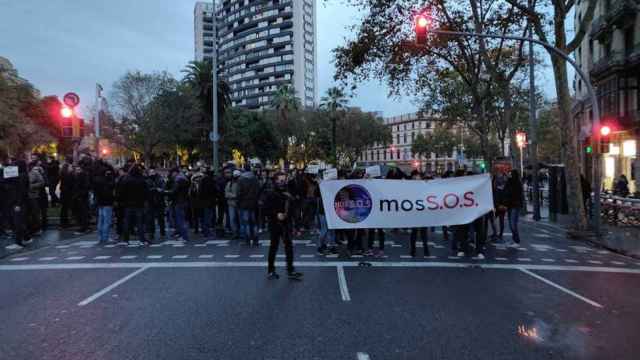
[
  {"x": 605, "y": 131},
  {"x": 483, "y": 166},
  {"x": 422, "y": 23},
  {"x": 66, "y": 112},
  {"x": 588, "y": 149}
]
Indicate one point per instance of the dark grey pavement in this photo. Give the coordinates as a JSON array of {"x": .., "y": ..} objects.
[{"x": 551, "y": 299}]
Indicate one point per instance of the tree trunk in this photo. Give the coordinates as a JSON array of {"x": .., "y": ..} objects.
[{"x": 570, "y": 136}]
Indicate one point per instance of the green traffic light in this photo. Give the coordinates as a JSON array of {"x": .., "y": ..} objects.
[{"x": 589, "y": 149}]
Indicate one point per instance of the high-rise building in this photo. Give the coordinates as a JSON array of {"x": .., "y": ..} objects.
[
  {"x": 610, "y": 55},
  {"x": 261, "y": 45},
  {"x": 203, "y": 30}
]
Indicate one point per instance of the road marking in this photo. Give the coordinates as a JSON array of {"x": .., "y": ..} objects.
[
  {"x": 154, "y": 257},
  {"x": 280, "y": 256},
  {"x": 398, "y": 245},
  {"x": 405, "y": 256},
  {"x": 63, "y": 246},
  {"x": 217, "y": 242},
  {"x": 597, "y": 262},
  {"x": 180, "y": 256},
  {"x": 93, "y": 297},
  {"x": 501, "y": 259},
  {"x": 603, "y": 252},
  {"x": 522, "y": 249},
  {"x": 312, "y": 264},
  {"x": 342, "y": 281},
  {"x": 112, "y": 245},
  {"x": 363, "y": 356},
  {"x": 200, "y": 245},
  {"x": 542, "y": 235},
  {"x": 178, "y": 245},
  {"x": 206, "y": 256},
  {"x": 454, "y": 257},
  {"x": 618, "y": 263},
  {"x": 357, "y": 256},
  {"x": 256, "y": 256},
  {"x": 548, "y": 260},
  {"x": 232, "y": 256},
  {"x": 220, "y": 245},
  {"x": 431, "y": 257},
  {"x": 524, "y": 259},
  {"x": 561, "y": 288},
  {"x": 334, "y": 256},
  {"x": 571, "y": 261},
  {"x": 75, "y": 258},
  {"x": 20, "y": 259},
  {"x": 102, "y": 257},
  {"x": 47, "y": 258},
  {"x": 128, "y": 257},
  {"x": 307, "y": 256},
  {"x": 562, "y": 250}
]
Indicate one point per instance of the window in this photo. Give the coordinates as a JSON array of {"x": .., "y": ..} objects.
[
  {"x": 398, "y": 153},
  {"x": 628, "y": 41},
  {"x": 405, "y": 136}
]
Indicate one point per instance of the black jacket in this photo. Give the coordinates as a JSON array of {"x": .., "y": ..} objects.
[
  {"x": 104, "y": 190},
  {"x": 248, "y": 190},
  {"x": 134, "y": 191},
  {"x": 514, "y": 195},
  {"x": 81, "y": 186},
  {"x": 208, "y": 191},
  {"x": 278, "y": 202}
]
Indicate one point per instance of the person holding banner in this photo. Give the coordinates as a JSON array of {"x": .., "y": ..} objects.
[
  {"x": 279, "y": 206},
  {"x": 423, "y": 232}
]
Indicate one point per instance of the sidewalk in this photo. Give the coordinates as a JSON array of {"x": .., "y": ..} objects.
[{"x": 621, "y": 239}]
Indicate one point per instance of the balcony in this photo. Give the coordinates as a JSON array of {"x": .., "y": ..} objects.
[
  {"x": 632, "y": 56},
  {"x": 621, "y": 13},
  {"x": 608, "y": 64},
  {"x": 599, "y": 28},
  {"x": 629, "y": 119}
]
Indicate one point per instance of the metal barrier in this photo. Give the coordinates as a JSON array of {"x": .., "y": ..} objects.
[{"x": 620, "y": 211}]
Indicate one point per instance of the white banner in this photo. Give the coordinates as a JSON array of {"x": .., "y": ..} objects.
[
  {"x": 10, "y": 172},
  {"x": 362, "y": 204}
]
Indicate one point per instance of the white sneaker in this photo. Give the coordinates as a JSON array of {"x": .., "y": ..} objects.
[
  {"x": 460, "y": 254},
  {"x": 14, "y": 247},
  {"x": 480, "y": 257},
  {"x": 512, "y": 244}
]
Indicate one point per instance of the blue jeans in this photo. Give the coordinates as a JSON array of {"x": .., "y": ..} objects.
[
  {"x": 105, "y": 214},
  {"x": 206, "y": 222},
  {"x": 514, "y": 216},
  {"x": 181, "y": 226},
  {"x": 233, "y": 220},
  {"x": 326, "y": 235},
  {"x": 247, "y": 224}
]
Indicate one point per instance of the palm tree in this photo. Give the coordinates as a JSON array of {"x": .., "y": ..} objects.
[
  {"x": 335, "y": 101},
  {"x": 284, "y": 101},
  {"x": 199, "y": 76}
]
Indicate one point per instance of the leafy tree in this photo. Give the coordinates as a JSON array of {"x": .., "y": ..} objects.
[
  {"x": 334, "y": 103},
  {"x": 357, "y": 131},
  {"x": 285, "y": 103},
  {"x": 252, "y": 133},
  {"x": 550, "y": 138},
  {"x": 441, "y": 142}
]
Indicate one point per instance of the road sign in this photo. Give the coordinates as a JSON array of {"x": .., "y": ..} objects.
[
  {"x": 213, "y": 137},
  {"x": 71, "y": 99}
]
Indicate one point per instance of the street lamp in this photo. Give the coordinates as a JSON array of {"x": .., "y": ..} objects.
[
  {"x": 521, "y": 141},
  {"x": 596, "y": 159}
]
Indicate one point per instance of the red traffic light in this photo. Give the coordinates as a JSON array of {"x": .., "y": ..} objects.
[
  {"x": 422, "y": 24},
  {"x": 66, "y": 112},
  {"x": 605, "y": 130},
  {"x": 422, "y": 21}
]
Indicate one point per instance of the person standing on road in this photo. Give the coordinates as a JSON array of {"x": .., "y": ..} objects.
[
  {"x": 17, "y": 198},
  {"x": 66, "y": 194},
  {"x": 156, "y": 210},
  {"x": 36, "y": 186},
  {"x": 179, "y": 195},
  {"x": 423, "y": 232},
  {"x": 81, "y": 187},
  {"x": 247, "y": 202},
  {"x": 500, "y": 205},
  {"x": 134, "y": 195},
  {"x": 104, "y": 189},
  {"x": 278, "y": 210},
  {"x": 53, "y": 175},
  {"x": 515, "y": 199},
  {"x": 231, "y": 194},
  {"x": 209, "y": 195}
]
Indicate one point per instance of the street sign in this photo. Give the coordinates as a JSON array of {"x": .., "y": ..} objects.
[
  {"x": 213, "y": 137},
  {"x": 71, "y": 99},
  {"x": 374, "y": 171}
]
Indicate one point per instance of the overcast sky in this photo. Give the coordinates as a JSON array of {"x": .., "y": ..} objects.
[{"x": 70, "y": 45}]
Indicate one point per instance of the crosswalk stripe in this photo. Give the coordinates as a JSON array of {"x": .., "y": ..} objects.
[
  {"x": 128, "y": 257},
  {"x": 548, "y": 260},
  {"x": 524, "y": 259},
  {"x": 154, "y": 257},
  {"x": 180, "y": 256},
  {"x": 75, "y": 258},
  {"x": 102, "y": 257},
  {"x": 256, "y": 256},
  {"x": 47, "y": 258},
  {"x": 232, "y": 256},
  {"x": 20, "y": 259},
  {"x": 571, "y": 261},
  {"x": 206, "y": 256}
]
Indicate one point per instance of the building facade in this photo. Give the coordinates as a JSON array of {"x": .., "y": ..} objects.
[
  {"x": 261, "y": 46},
  {"x": 610, "y": 55},
  {"x": 404, "y": 129}
]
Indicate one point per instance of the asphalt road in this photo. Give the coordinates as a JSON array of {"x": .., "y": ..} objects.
[{"x": 551, "y": 299}]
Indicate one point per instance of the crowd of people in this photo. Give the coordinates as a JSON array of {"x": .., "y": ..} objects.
[{"x": 238, "y": 203}]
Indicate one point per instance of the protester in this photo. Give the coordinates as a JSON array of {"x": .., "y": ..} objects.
[
  {"x": 278, "y": 212},
  {"x": 515, "y": 199},
  {"x": 460, "y": 232},
  {"x": 423, "y": 232},
  {"x": 326, "y": 237},
  {"x": 16, "y": 201},
  {"x": 178, "y": 195},
  {"x": 134, "y": 195},
  {"x": 247, "y": 203},
  {"x": 53, "y": 177},
  {"x": 104, "y": 190},
  {"x": 66, "y": 194},
  {"x": 80, "y": 199},
  {"x": 156, "y": 206},
  {"x": 36, "y": 186},
  {"x": 231, "y": 194},
  {"x": 621, "y": 187},
  {"x": 209, "y": 196},
  {"x": 500, "y": 206},
  {"x": 198, "y": 202},
  {"x": 222, "y": 221}
]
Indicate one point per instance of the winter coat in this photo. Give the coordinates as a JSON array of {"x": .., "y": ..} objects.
[{"x": 231, "y": 193}]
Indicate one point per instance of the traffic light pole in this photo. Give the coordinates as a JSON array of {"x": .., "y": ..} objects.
[{"x": 594, "y": 106}]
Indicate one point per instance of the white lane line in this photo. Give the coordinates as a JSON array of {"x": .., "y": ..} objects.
[
  {"x": 112, "y": 246},
  {"x": 342, "y": 281},
  {"x": 307, "y": 256},
  {"x": 603, "y": 252},
  {"x": 154, "y": 257},
  {"x": 618, "y": 263},
  {"x": 562, "y": 250},
  {"x": 225, "y": 245},
  {"x": 63, "y": 246},
  {"x": 128, "y": 257},
  {"x": 102, "y": 257},
  {"x": 200, "y": 245},
  {"x": 232, "y": 256},
  {"x": 548, "y": 260},
  {"x": 454, "y": 257},
  {"x": 397, "y": 245},
  {"x": 597, "y": 262},
  {"x": 206, "y": 256},
  {"x": 47, "y": 258},
  {"x": 524, "y": 259},
  {"x": 315, "y": 264},
  {"x": 75, "y": 258},
  {"x": 363, "y": 356},
  {"x": 405, "y": 256},
  {"x": 93, "y": 297},
  {"x": 571, "y": 261},
  {"x": 256, "y": 256},
  {"x": 561, "y": 288},
  {"x": 501, "y": 259},
  {"x": 180, "y": 256},
  {"x": 20, "y": 259},
  {"x": 280, "y": 256},
  {"x": 178, "y": 245}
]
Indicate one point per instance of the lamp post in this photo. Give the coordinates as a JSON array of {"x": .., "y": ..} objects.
[{"x": 215, "y": 135}]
